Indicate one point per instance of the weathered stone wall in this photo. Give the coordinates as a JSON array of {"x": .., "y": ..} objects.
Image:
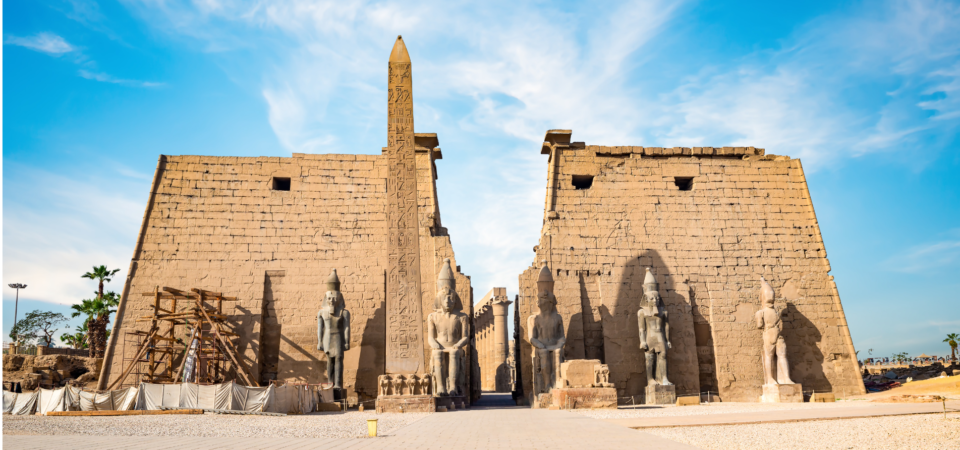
[
  {"x": 746, "y": 215},
  {"x": 216, "y": 223}
]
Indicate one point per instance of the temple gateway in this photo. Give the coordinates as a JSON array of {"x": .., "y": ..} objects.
[{"x": 660, "y": 273}]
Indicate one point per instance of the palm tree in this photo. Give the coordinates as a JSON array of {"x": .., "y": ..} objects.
[
  {"x": 98, "y": 311},
  {"x": 101, "y": 274},
  {"x": 952, "y": 340}
]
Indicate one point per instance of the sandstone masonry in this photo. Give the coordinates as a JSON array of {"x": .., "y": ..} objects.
[{"x": 708, "y": 221}]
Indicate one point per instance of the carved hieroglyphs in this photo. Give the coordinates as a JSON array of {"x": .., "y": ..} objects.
[{"x": 404, "y": 319}]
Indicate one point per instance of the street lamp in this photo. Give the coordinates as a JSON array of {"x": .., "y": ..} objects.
[{"x": 16, "y": 286}]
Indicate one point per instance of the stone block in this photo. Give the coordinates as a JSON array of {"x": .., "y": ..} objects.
[
  {"x": 659, "y": 394},
  {"x": 584, "y": 398},
  {"x": 688, "y": 401},
  {"x": 823, "y": 397},
  {"x": 782, "y": 393},
  {"x": 405, "y": 404},
  {"x": 578, "y": 373}
]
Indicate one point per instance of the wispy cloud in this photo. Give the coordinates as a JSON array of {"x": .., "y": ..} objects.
[
  {"x": 937, "y": 256},
  {"x": 844, "y": 85},
  {"x": 65, "y": 226},
  {"x": 107, "y": 78},
  {"x": 48, "y": 43},
  {"x": 861, "y": 80}
]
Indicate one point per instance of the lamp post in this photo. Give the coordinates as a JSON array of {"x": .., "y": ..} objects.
[{"x": 16, "y": 302}]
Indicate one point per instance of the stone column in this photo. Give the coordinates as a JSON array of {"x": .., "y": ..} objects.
[{"x": 500, "y": 340}]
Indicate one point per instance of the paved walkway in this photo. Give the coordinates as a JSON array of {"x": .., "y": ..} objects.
[
  {"x": 481, "y": 427},
  {"x": 794, "y": 415}
]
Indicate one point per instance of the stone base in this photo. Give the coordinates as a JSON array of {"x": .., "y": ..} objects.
[
  {"x": 782, "y": 393},
  {"x": 451, "y": 403},
  {"x": 542, "y": 401},
  {"x": 659, "y": 394},
  {"x": 418, "y": 403},
  {"x": 584, "y": 398},
  {"x": 406, "y": 403},
  {"x": 823, "y": 397}
]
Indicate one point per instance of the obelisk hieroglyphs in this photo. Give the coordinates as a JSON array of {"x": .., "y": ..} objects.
[{"x": 404, "y": 319}]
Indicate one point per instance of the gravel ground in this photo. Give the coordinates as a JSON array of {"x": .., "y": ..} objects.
[
  {"x": 926, "y": 431},
  {"x": 328, "y": 425},
  {"x": 711, "y": 408}
]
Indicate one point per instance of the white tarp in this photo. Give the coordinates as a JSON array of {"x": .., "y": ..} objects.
[
  {"x": 23, "y": 404},
  {"x": 9, "y": 399},
  {"x": 171, "y": 396},
  {"x": 189, "y": 395},
  {"x": 227, "y": 396},
  {"x": 150, "y": 397},
  {"x": 118, "y": 400},
  {"x": 51, "y": 400}
]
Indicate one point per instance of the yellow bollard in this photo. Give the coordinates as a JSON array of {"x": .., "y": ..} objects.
[{"x": 372, "y": 427}]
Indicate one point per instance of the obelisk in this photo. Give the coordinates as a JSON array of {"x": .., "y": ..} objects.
[{"x": 404, "y": 352}]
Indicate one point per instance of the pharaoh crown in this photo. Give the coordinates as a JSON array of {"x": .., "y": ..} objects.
[
  {"x": 545, "y": 279},
  {"x": 333, "y": 282},
  {"x": 766, "y": 291}
]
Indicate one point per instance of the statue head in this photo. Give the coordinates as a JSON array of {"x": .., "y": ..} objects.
[
  {"x": 651, "y": 289},
  {"x": 447, "y": 299},
  {"x": 546, "y": 301},
  {"x": 333, "y": 299},
  {"x": 545, "y": 280},
  {"x": 766, "y": 293},
  {"x": 333, "y": 282}
]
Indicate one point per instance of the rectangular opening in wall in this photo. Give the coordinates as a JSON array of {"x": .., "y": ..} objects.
[
  {"x": 684, "y": 183},
  {"x": 281, "y": 184},
  {"x": 582, "y": 181}
]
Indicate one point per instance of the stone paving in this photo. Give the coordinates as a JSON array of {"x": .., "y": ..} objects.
[
  {"x": 793, "y": 415},
  {"x": 481, "y": 427}
]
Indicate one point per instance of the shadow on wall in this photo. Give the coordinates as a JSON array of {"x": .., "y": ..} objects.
[
  {"x": 245, "y": 322},
  {"x": 621, "y": 335},
  {"x": 803, "y": 349},
  {"x": 372, "y": 357},
  {"x": 592, "y": 324},
  {"x": 291, "y": 368},
  {"x": 703, "y": 335}
]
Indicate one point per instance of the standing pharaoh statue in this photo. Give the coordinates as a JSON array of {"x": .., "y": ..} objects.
[
  {"x": 546, "y": 336},
  {"x": 333, "y": 330},
  {"x": 770, "y": 321},
  {"x": 448, "y": 331},
  {"x": 654, "y": 332}
]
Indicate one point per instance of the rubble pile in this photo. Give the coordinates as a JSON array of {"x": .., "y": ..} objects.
[
  {"x": 894, "y": 377},
  {"x": 50, "y": 371}
]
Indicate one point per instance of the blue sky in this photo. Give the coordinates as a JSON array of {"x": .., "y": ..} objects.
[{"x": 867, "y": 94}]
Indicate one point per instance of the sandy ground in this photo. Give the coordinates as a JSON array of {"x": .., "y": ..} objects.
[
  {"x": 946, "y": 386},
  {"x": 330, "y": 425},
  {"x": 927, "y": 431},
  {"x": 711, "y": 408}
]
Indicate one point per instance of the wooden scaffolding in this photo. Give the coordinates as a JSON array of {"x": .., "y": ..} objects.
[{"x": 180, "y": 313}]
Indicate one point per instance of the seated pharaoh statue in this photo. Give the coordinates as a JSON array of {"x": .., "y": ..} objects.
[
  {"x": 546, "y": 336},
  {"x": 448, "y": 332}
]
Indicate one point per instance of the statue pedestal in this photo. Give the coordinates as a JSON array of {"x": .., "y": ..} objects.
[
  {"x": 406, "y": 403},
  {"x": 659, "y": 394},
  {"x": 584, "y": 398},
  {"x": 418, "y": 403},
  {"x": 782, "y": 393}
]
